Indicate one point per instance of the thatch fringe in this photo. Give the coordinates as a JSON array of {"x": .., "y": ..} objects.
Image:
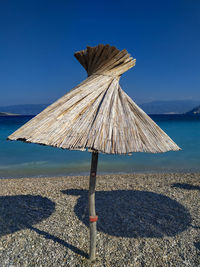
[{"x": 97, "y": 114}]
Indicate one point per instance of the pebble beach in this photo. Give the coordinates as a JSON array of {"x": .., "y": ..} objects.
[{"x": 144, "y": 220}]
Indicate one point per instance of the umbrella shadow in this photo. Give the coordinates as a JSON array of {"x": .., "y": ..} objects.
[
  {"x": 131, "y": 213},
  {"x": 197, "y": 245},
  {"x": 186, "y": 186},
  {"x": 23, "y": 211}
]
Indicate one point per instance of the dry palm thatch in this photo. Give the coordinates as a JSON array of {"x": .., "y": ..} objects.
[{"x": 97, "y": 114}]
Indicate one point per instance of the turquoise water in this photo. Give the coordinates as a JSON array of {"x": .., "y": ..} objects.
[{"x": 18, "y": 159}]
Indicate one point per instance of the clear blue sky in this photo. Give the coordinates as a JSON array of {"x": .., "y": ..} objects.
[{"x": 38, "y": 39}]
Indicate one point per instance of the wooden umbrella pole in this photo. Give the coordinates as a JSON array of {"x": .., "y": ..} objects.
[{"x": 92, "y": 213}]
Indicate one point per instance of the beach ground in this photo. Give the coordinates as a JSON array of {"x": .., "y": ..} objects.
[{"x": 144, "y": 220}]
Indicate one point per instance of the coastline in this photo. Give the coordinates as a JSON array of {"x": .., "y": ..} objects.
[
  {"x": 144, "y": 220},
  {"x": 101, "y": 173}
]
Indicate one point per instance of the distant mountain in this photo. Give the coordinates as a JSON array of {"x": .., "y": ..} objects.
[
  {"x": 154, "y": 107},
  {"x": 194, "y": 111},
  {"x": 8, "y": 114},
  {"x": 29, "y": 109},
  {"x": 169, "y": 107}
]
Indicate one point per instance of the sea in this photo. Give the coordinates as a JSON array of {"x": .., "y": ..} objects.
[{"x": 18, "y": 159}]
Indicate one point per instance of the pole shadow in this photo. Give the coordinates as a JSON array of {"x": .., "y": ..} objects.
[
  {"x": 23, "y": 211},
  {"x": 185, "y": 186},
  {"x": 131, "y": 213},
  {"x": 60, "y": 241}
]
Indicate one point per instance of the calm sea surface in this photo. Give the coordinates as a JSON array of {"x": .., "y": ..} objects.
[{"x": 18, "y": 159}]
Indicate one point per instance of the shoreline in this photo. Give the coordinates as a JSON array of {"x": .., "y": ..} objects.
[
  {"x": 86, "y": 174},
  {"x": 155, "y": 220}
]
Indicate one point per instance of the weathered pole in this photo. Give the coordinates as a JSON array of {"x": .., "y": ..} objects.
[{"x": 92, "y": 213}]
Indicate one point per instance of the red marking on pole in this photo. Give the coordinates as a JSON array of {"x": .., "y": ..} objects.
[
  {"x": 93, "y": 218},
  {"x": 93, "y": 174}
]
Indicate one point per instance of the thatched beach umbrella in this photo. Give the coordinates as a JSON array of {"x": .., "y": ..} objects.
[{"x": 99, "y": 116}]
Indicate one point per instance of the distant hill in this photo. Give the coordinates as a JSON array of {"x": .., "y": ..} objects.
[
  {"x": 194, "y": 111},
  {"x": 154, "y": 107},
  {"x": 7, "y": 114},
  {"x": 29, "y": 109},
  {"x": 169, "y": 107}
]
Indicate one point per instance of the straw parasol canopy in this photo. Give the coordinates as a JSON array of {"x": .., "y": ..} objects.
[{"x": 99, "y": 116}]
